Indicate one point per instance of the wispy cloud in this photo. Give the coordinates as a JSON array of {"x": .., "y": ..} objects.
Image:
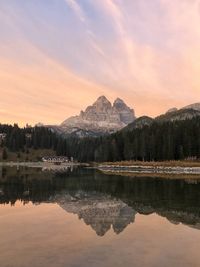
[
  {"x": 84, "y": 19},
  {"x": 43, "y": 91},
  {"x": 77, "y": 9},
  {"x": 54, "y": 58}
]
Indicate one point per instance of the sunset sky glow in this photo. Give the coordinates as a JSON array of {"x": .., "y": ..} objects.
[{"x": 58, "y": 56}]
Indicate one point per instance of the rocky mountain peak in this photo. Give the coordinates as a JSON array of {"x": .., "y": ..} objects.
[
  {"x": 119, "y": 104},
  {"x": 127, "y": 115},
  {"x": 118, "y": 101},
  {"x": 102, "y": 104},
  {"x": 100, "y": 118},
  {"x": 102, "y": 99}
]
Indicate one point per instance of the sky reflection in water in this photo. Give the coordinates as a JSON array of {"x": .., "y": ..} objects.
[{"x": 85, "y": 218}]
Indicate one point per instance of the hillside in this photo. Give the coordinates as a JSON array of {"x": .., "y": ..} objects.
[{"x": 143, "y": 140}]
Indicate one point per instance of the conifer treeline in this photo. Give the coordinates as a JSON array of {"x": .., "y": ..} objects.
[
  {"x": 22, "y": 139},
  {"x": 172, "y": 140}
]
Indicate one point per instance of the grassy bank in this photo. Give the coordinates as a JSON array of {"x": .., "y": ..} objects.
[
  {"x": 183, "y": 163},
  {"x": 181, "y": 176},
  {"x": 164, "y": 169}
]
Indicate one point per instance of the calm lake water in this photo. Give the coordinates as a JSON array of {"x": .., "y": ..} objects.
[{"x": 85, "y": 218}]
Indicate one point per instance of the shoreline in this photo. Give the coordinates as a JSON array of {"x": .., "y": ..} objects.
[
  {"x": 42, "y": 165},
  {"x": 170, "y": 163},
  {"x": 152, "y": 168}
]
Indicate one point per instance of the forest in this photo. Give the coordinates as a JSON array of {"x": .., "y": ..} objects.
[
  {"x": 159, "y": 141},
  {"x": 168, "y": 140},
  {"x": 22, "y": 140}
]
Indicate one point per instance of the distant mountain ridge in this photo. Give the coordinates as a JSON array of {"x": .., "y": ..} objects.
[
  {"x": 195, "y": 106},
  {"x": 103, "y": 118},
  {"x": 173, "y": 114},
  {"x": 187, "y": 112}
]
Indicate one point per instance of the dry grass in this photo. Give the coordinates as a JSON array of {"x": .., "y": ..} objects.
[
  {"x": 155, "y": 175},
  {"x": 174, "y": 163}
]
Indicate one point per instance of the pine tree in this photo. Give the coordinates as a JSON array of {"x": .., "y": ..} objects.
[{"x": 4, "y": 154}]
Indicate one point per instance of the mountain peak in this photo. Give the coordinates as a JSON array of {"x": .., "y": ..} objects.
[
  {"x": 118, "y": 100},
  {"x": 119, "y": 104},
  {"x": 102, "y": 99},
  {"x": 101, "y": 117},
  {"x": 102, "y": 104}
]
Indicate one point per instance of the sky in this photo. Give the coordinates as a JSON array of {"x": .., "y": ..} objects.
[{"x": 58, "y": 56}]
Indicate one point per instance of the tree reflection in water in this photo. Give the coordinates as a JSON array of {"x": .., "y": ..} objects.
[{"x": 104, "y": 201}]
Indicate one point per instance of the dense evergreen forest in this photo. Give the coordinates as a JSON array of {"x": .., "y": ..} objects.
[
  {"x": 18, "y": 139},
  {"x": 168, "y": 140}
]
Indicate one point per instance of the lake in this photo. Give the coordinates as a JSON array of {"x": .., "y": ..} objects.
[{"x": 84, "y": 218}]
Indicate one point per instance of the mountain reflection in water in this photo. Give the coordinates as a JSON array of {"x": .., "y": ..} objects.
[{"x": 104, "y": 201}]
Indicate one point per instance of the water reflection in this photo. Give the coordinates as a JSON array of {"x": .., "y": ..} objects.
[{"x": 104, "y": 201}]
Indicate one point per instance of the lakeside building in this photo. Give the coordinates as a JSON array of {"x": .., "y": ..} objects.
[{"x": 57, "y": 159}]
